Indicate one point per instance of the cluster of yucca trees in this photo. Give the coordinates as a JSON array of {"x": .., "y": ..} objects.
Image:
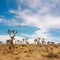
[
  {"x": 12, "y": 34},
  {"x": 39, "y": 40}
]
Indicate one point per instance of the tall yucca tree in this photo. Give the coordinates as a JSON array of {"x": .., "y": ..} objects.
[{"x": 12, "y": 34}]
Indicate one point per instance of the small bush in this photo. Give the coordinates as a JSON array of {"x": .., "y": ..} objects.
[
  {"x": 10, "y": 47},
  {"x": 59, "y": 53},
  {"x": 47, "y": 50},
  {"x": 55, "y": 46},
  {"x": 16, "y": 53},
  {"x": 28, "y": 55},
  {"x": 17, "y": 57},
  {"x": 31, "y": 50},
  {"x": 25, "y": 51},
  {"x": 52, "y": 55},
  {"x": 24, "y": 45}
]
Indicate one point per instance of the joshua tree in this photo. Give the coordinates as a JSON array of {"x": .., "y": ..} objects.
[
  {"x": 18, "y": 41},
  {"x": 26, "y": 41},
  {"x": 43, "y": 42},
  {"x": 38, "y": 40},
  {"x": 35, "y": 41},
  {"x": 23, "y": 40},
  {"x": 1, "y": 42},
  {"x": 48, "y": 42},
  {"x": 52, "y": 43},
  {"x": 12, "y": 34}
]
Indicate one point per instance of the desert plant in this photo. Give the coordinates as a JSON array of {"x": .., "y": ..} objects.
[
  {"x": 23, "y": 40},
  {"x": 26, "y": 41},
  {"x": 38, "y": 40},
  {"x": 35, "y": 41},
  {"x": 43, "y": 41},
  {"x": 12, "y": 34},
  {"x": 52, "y": 55},
  {"x": 48, "y": 42},
  {"x": 1, "y": 42},
  {"x": 18, "y": 41},
  {"x": 53, "y": 43}
]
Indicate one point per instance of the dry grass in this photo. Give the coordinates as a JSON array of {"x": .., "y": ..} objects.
[{"x": 30, "y": 52}]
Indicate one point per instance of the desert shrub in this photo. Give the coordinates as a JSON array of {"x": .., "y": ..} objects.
[
  {"x": 52, "y": 55},
  {"x": 17, "y": 57},
  {"x": 31, "y": 50},
  {"x": 40, "y": 46},
  {"x": 19, "y": 45},
  {"x": 55, "y": 46},
  {"x": 47, "y": 50},
  {"x": 4, "y": 52},
  {"x": 25, "y": 51},
  {"x": 15, "y": 52},
  {"x": 28, "y": 55},
  {"x": 46, "y": 47},
  {"x": 58, "y": 52},
  {"x": 24, "y": 45},
  {"x": 16, "y": 47},
  {"x": 19, "y": 51},
  {"x": 10, "y": 47}
]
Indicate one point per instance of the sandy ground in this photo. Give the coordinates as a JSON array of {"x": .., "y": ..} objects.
[{"x": 30, "y": 52}]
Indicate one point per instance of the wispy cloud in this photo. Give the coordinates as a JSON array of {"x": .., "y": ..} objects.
[{"x": 0, "y": 19}]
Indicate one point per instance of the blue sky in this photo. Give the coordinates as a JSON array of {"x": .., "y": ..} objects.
[{"x": 31, "y": 18}]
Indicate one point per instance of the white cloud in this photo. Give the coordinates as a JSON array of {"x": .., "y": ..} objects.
[
  {"x": 46, "y": 21},
  {"x": 32, "y": 3},
  {"x": 0, "y": 19},
  {"x": 43, "y": 22}
]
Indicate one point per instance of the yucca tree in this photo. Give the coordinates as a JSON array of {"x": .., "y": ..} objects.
[
  {"x": 38, "y": 40},
  {"x": 12, "y": 34},
  {"x": 1, "y": 42},
  {"x": 48, "y": 42},
  {"x": 23, "y": 40},
  {"x": 26, "y": 41},
  {"x": 43, "y": 41},
  {"x": 35, "y": 40},
  {"x": 52, "y": 43},
  {"x": 17, "y": 42}
]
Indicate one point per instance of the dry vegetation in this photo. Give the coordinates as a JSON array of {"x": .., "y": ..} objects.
[
  {"x": 40, "y": 50},
  {"x": 30, "y": 52}
]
